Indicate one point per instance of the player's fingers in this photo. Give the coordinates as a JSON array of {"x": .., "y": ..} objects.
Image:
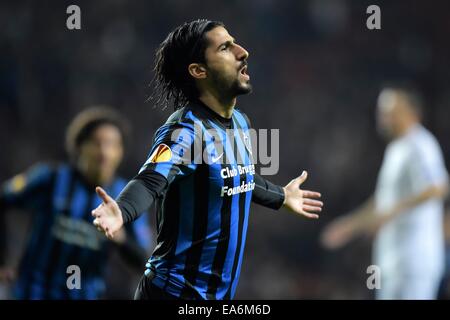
[
  {"x": 300, "y": 179},
  {"x": 108, "y": 234},
  {"x": 311, "y": 194},
  {"x": 311, "y": 202},
  {"x": 311, "y": 208},
  {"x": 95, "y": 213},
  {"x": 310, "y": 215},
  {"x": 103, "y": 195},
  {"x": 96, "y": 223}
]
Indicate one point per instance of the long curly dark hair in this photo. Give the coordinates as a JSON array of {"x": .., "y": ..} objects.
[{"x": 186, "y": 44}]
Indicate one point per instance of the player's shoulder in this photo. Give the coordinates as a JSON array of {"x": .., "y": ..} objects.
[
  {"x": 179, "y": 123},
  {"x": 44, "y": 169},
  {"x": 39, "y": 173},
  {"x": 424, "y": 143},
  {"x": 181, "y": 117},
  {"x": 422, "y": 137}
]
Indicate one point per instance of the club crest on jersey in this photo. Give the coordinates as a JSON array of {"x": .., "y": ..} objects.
[{"x": 161, "y": 154}]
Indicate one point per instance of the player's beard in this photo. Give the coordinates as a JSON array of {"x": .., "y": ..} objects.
[{"x": 229, "y": 86}]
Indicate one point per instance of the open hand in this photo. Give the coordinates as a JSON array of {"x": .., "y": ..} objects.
[
  {"x": 108, "y": 217},
  {"x": 302, "y": 201}
]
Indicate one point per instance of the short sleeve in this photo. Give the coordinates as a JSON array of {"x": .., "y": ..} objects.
[
  {"x": 426, "y": 166},
  {"x": 172, "y": 151}
]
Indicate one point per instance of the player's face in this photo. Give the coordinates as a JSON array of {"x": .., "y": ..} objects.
[
  {"x": 102, "y": 153},
  {"x": 226, "y": 63},
  {"x": 388, "y": 114}
]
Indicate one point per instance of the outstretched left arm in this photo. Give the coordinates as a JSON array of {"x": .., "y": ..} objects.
[{"x": 303, "y": 202}]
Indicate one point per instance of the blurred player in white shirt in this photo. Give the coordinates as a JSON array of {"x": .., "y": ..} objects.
[{"x": 406, "y": 211}]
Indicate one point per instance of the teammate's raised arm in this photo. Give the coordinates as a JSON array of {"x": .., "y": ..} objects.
[{"x": 137, "y": 197}]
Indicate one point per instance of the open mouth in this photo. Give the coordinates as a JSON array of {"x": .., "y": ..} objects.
[{"x": 243, "y": 72}]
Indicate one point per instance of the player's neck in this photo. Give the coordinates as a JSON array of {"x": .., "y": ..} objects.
[
  {"x": 222, "y": 106},
  {"x": 406, "y": 128}
]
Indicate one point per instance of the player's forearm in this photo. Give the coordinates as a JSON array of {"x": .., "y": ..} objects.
[
  {"x": 368, "y": 220},
  {"x": 140, "y": 193},
  {"x": 434, "y": 192},
  {"x": 362, "y": 218},
  {"x": 267, "y": 194},
  {"x": 133, "y": 200}
]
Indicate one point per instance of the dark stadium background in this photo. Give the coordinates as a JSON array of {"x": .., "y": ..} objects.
[{"x": 316, "y": 71}]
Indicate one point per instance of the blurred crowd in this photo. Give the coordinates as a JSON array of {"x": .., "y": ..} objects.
[{"x": 316, "y": 72}]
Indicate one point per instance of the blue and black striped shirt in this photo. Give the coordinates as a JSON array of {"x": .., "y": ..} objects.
[{"x": 202, "y": 215}]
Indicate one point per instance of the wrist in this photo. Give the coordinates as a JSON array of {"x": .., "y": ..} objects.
[
  {"x": 120, "y": 236},
  {"x": 122, "y": 214},
  {"x": 284, "y": 196}
]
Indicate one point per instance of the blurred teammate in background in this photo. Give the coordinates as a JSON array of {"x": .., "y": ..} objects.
[
  {"x": 61, "y": 198},
  {"x": 406, "y": 211}
]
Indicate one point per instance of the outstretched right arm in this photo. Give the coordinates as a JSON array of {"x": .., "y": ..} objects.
[
  {"x": 137, "y": 197},
  {"x": 170, "y": 157}
]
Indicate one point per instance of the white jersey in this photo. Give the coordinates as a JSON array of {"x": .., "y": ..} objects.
[{"x": 413, "y": 243}]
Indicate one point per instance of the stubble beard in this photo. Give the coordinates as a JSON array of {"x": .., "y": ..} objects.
[{"x": 229, "y": 88}]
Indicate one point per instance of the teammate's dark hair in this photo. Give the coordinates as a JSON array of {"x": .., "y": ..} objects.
[
  {"x": 173, "y": 85},
  {"x": 86, "y": 122}
]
